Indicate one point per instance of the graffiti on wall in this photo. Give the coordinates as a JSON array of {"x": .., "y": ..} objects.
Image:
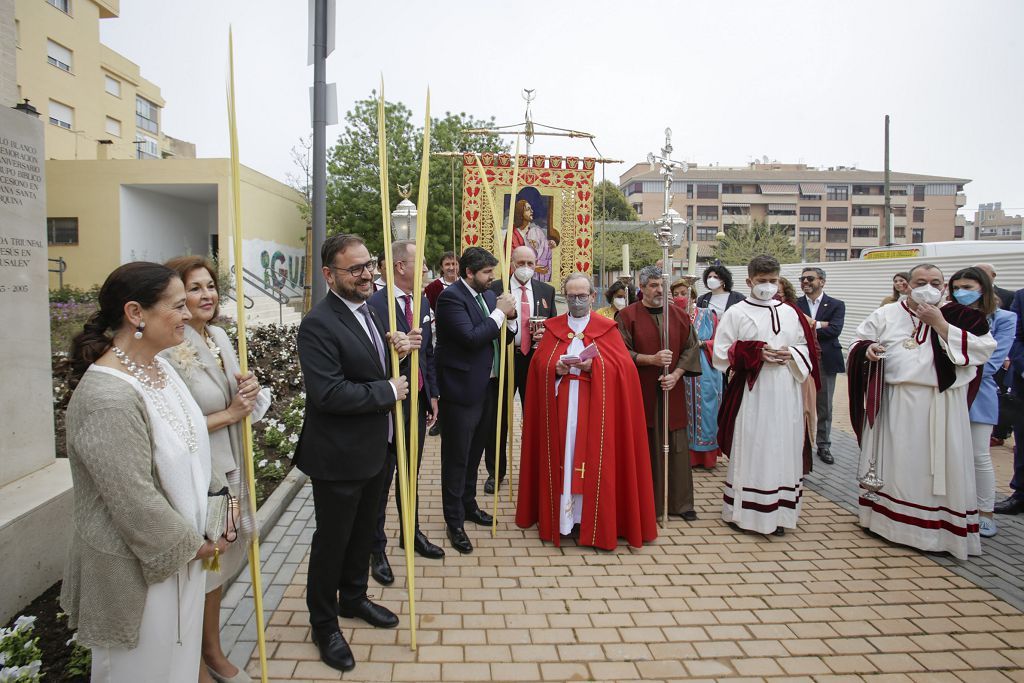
[{"x": 280, "y": 270}]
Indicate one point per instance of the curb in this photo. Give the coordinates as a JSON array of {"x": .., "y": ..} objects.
[{"x": 272, "y": 509}]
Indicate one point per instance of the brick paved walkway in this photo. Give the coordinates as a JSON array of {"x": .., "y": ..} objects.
[{"x": 826, "y": 603}]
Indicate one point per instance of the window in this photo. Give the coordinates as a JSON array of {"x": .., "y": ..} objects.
[
  {"x": 113, "y": 127},
  {"x": 689, "y": 190},
  {"x": 58, "y": 55},
  {"x": 810, "y": 213},
  {"x": 900, "y": 211},
  {"x": 899, "y": 232},
  {"x": 810, "y": 197},
  {"x": 62, "y": 231},
  {"x": 839, "y": 193},
  {"x": 855, "y": 253},
  {"x": 836, "y": 213},
  {"x": 147, "y": 147},
  {"x": 707, "y": 191},
  {"x": 637, "y": 187},
  {"x": 837, "y": 235},
  {"x": 707, "y": 213},
  {"x": 863, "y": 211},
  {"x": 706, "y": 234},
  {"x": 919, "y": 215},
  {"x": 732, "y": 189},
  {"x": 63, "y": 5},
  {"x": 917, "y": 235},
  {"x": 689, "y": 212},
  {"x": 112, "y": 86},
  {"x": 867, "y": 189},
  {"x": 639, "y": 208},
  {"x": 61, "y": 115},
  {"x": 810, "y": 234},
  {"x": 958, "y": 231},
  {"x": 147, "y": 115},
  {"x": 865, "y": 232},
  {"x": 788, "y": 211},
  {"x": 735, "y": 211},
  {"x": 835, "y": 254},
  {"x": 918, "y": 193}
]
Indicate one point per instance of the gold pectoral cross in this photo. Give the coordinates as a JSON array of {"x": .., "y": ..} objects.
[{"x": 582, "y": 469}]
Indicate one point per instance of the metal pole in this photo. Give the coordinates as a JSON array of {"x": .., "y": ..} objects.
[
  {"x": 667, "y": 259},
  {"x": 889, "y": 236},
  {"x": 319, "y": 139}
]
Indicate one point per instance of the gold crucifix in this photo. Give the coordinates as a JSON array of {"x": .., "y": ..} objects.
[{"x": 582, "y": 469}]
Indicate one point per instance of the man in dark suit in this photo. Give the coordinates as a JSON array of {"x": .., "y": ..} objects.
[
  {"x": 1005, "y": 295},
  {"x": 533, "y": 299},
  {"x": 829, "y": 314},
  {"x": 1014, "y": 503},
  {"x": 344, "y": 441},
  {"x": 469, "y": 319},
  {"x": 403, "y": 255}
]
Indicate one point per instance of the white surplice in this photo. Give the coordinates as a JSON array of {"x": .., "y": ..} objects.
[
  {"x": 764, "y": 483},
  {"x": 923, "y": 437},
  {"x": 571, "y": 505}
]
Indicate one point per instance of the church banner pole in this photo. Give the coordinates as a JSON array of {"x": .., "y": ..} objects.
[
  {"x": 414, "y": 363},
  {"x": 399, "y": 413},
  {"x": 243, "y": 363}
]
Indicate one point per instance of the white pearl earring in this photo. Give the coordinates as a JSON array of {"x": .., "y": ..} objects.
[{"x": 139, "y": 330}]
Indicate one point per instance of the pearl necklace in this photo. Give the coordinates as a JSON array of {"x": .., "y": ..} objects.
[
  {"x": 214, "y": 349},
  {"x": 186, "y": 431}
]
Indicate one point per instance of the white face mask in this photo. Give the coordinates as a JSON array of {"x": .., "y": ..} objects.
[
  {"x": 764, "y": 291},
  {"x": 524, "y": 274},
  {"x": 619, "y": 302},
  {"x": 714, "y": 283},
  {"x": 926, "y": 294}
]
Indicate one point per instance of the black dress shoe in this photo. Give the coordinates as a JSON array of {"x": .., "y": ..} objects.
[
  {"x": 459, "y": 540},
  {"x": 370, "y": 612},
  {"x": 334, "y": 651},
  {"x": 1010, "y": 506},
  {"x": 779, "y": 531},
  {"x": 380, "y": 569},
  {"x": 489, "y": 486},
  {"x": 480, "y": 517},
  {"x": 435, "y": 430},
  {"x": 689, "y": 516},
  {"x": 825, "y": 456},
  {"x": 424, "y": 548}
]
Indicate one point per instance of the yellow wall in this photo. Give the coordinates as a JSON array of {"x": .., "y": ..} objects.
[{"x": 90, "y": 191}]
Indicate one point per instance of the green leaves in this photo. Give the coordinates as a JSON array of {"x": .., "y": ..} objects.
[{"x": 742, "y": 243}]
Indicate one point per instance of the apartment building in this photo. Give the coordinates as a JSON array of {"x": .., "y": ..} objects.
[
  {"x": 832, "y": 214},
  {"x": 992, "y": 223},
  {"x": 96, "y": 101}
]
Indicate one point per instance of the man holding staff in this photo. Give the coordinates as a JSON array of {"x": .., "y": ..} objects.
[
  {"x": 469, "y": 322},
  {"x": 344, "y": 442}
]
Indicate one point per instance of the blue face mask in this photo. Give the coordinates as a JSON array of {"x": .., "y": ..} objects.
[{"x": 966, "y": 296}]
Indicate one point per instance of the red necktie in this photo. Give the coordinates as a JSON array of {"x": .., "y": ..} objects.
[
  {"x": 525, "y": 340},
  {"x": 408, "y": 319}
]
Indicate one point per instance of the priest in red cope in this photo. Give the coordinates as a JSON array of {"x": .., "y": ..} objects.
[{"x": 584, "y": 461}]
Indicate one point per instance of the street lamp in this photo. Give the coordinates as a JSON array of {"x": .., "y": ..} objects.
[{"x": 403, "y": 218}]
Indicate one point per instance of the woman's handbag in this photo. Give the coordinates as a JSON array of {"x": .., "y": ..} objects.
[{"x": 221, "y": 520}]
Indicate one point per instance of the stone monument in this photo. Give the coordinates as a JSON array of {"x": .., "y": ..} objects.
[{"x": 35, "y": 487}]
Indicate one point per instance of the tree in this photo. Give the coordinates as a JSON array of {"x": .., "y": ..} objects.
[
  {"x": 353, "y": 174},
  {"x": 742, "y": 243},
  {"x": 643, "y": 249},
  {"x": 611, "y": 204}
]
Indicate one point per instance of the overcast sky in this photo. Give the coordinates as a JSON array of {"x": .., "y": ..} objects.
[{"x": 797, "y": 81}]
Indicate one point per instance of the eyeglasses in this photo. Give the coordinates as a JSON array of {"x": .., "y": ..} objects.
[
  {"x": 356, "y": 271},
  {"x": 808, "y": 278},
  {"x": 577, "y": 299}
]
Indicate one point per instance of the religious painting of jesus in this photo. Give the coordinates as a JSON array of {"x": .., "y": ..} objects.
[{"x": 532, "y": 226}]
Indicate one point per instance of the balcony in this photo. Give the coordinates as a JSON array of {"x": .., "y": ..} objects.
[
  {"x": 899, "y": 221},
  {"x": 740, "y": 198},
  {"x": 866, "y": 221},
  {"x": 863, "y": 241},
  {"x": 736, "y": 220},
  {"x": 960, "y": 221},
  {"x": 780, "y": 220},
  {"x": 898, "y": 200},
  {"x": 961, "y": 199},
  {"x": 867, "y": 199}
]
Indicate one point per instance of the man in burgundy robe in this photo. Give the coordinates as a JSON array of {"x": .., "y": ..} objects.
[
  {"x": 640, "y": 326},
  {"x": 584, "y": 460}
]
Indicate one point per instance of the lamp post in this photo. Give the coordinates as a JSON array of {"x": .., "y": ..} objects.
[{"x": 403, "y": 218}]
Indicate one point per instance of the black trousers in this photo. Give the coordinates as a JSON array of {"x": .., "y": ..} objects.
[
  {"x": 521, "y": 369},
  {"x": 464, "y": 429},
  {"x": 391, "y": 466},
  {"x": 339, "y": 556}
]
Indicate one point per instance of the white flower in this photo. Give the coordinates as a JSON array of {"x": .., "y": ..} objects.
[
  {"x": 294, "y": 438},
  {"x": 23, "y": 622},
  {"x": 72, "y": 639},
  {"x": 262, "y": 463}
]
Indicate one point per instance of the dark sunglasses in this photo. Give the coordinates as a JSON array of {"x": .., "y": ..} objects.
[{"x": 808, "y": 278}]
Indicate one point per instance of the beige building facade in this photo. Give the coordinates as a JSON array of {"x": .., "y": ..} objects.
[
  {"x": 831, "y": 214},
  {"x": 992, "y": 223}
]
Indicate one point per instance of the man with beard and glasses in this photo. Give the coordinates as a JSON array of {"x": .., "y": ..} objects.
[
  {"x": 584, "y": 465},
  {"x": 641, "y": 327},
  {"x": 343, "y": 447},
  {"x": 469, "y": 320}
]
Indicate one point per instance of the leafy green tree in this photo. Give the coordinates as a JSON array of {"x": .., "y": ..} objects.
[
  {"x": 611, "y": 204},
  {"x": 742, "y": 243},
  {"x": 353, "y": 174},
  {"x": 643, "y": 249}
]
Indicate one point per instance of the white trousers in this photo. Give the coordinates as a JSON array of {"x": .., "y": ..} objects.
[{"x": 984, "y": 473}]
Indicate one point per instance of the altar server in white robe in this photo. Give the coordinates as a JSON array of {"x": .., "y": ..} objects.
[
  {"x": 916, "y": 424},
  {"x": 763, "y": 344}
]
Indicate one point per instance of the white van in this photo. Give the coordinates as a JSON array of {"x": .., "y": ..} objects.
[{"x": 954, "y": 248}]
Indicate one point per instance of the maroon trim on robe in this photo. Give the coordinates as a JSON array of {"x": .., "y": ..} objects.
[
  {"x": 942, "y": 524},
  {"x": 863, "y": 380},
  {"x": 971, "y": 321},
  {"x": 745, "y": 365}
]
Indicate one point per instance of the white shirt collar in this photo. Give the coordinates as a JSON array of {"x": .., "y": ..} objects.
[
  {"x": 817, "y": 301},
  {"x": 472, "y": 292},
  {"x": 578, "y": 324}
]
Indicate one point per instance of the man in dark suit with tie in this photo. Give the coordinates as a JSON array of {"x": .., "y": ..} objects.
[
  {"x": 533, "y": 299},
  {"x": 469, "y": 320},
  {"x": 343, "y": 446},
  {"x": 828, "y": 314},
  {"x": 403, "y": 256}
]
